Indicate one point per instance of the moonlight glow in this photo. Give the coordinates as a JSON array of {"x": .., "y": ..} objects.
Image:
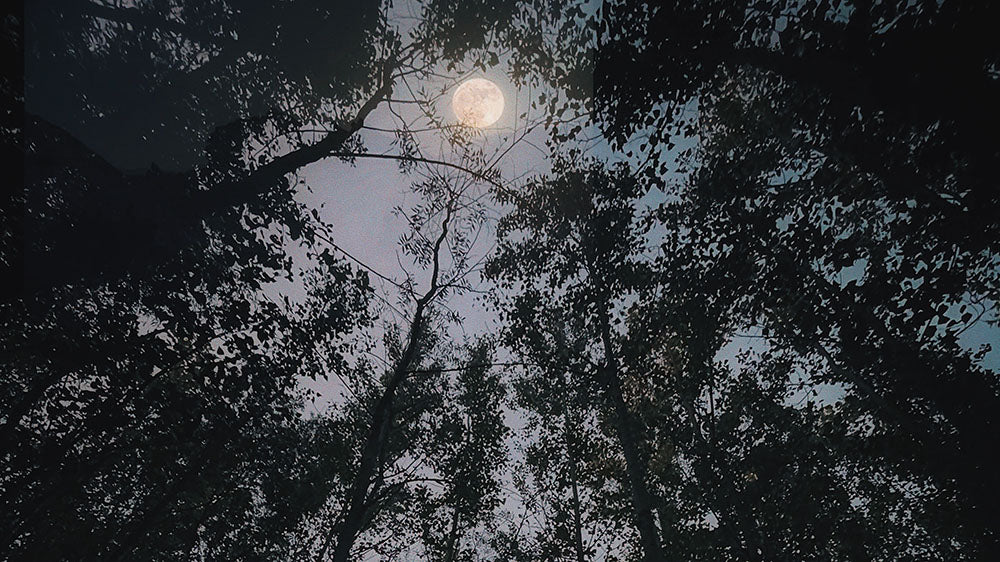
[{"x": 478, "y": 103}]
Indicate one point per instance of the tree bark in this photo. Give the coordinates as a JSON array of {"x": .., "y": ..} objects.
[
  {"x": 577, "y": 520},
  {"x": 636, "y": 462},
  {"x": 568, "y": 424},
  {"x": 451, "y": 551}
]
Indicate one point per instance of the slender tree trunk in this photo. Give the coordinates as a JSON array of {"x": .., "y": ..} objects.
[
  {"x": 452, "y": 538},
  {"x": 569, "y": 423},
  {"x": 577, "y": 520},
  {"x": 631, "y": 440},
  {"x": 371, "y": 455},
  {"x": 365, "y": 485}
]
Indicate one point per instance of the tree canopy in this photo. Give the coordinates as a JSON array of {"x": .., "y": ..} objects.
[{"x": 721, "y": 284}]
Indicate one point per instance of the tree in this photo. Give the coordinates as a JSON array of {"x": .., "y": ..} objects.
[
  {"x": 568, "y": 481},
  {"x": 426, "y": 433},
  {"x": 150, "y": 390},
  {"x": 159, "y": 438},
  {"x": 465, "y": 443},
  {"x": 145, "y": 320},
  {"x": 580, "y": 240},
  {"x": 722, "y": 461},
  {"x": 226, "y": 105},
  {"x": 834, "y": 173},
  {"x": 738, "y": 330},
  {"x": 212, "y": 135}
]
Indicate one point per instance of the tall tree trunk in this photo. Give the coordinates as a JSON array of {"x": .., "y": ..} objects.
[
  {"x": 365, "y": 485},
  {"x": 451, "y": 552},
  {"x": 569, "y": 423},
  {"x": 577, "y": 520},
  {"x": 630, "y": 437},
  {"x": 371, "y": 456}
]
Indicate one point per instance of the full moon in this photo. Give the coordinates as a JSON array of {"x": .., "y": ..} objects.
[{"x": 478, "y": 103}]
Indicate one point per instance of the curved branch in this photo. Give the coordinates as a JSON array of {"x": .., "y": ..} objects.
[{"x": 265, "y": 177}]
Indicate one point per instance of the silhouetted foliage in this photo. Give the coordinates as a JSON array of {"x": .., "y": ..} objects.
[
  {"x": 841, "y": 197},
  {"x": 745, "y": 295}
]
